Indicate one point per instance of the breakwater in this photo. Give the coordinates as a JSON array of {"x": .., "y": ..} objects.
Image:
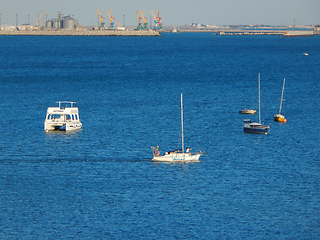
[
  {"x": 244, "y": 32},
  {"x": 80, "y": 33},
  {"x": 131, "y": 32},
  {"x": 240, "y": 32}
]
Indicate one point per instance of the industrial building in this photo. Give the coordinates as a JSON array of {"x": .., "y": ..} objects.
[{"x": 62, "y": 22}]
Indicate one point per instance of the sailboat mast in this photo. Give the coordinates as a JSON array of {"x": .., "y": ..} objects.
[
  {"x": 284, "y": 80},
  {"x": 259, "y": 101},
  {"x": 182, "y": 140}
]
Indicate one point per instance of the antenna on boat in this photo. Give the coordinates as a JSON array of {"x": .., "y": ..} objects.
[
  {"x": 182, "y": 143},
  {"x": 259, "y": 100}
]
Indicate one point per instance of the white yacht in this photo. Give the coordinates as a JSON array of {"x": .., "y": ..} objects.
[
  {"x": 178, "y": 155},
  {"x": 247, "y": 111},
  {"x": 65, "y": 117}
]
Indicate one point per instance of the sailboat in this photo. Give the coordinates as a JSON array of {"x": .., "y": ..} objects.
[
  {"x": 252, "y": 127},
  {"x": 178, "y": 155},
  {"x": 279, "y": 117}
]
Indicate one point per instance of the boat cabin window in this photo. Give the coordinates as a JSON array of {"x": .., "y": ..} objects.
[
  {"x": 55, "y": 116},
  {"x": 68, "y": 117},
  {"x": 76, "y": 117}
]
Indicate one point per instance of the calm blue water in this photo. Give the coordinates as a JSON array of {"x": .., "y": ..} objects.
[{"x": 99, "y": 183}]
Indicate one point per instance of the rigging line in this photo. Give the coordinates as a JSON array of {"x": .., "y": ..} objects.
[{"x": 192, "y": 132}]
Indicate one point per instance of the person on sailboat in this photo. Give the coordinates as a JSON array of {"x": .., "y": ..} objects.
[
  {"x": 188, "y": 150},
  {"x": 156, "y": 151}
]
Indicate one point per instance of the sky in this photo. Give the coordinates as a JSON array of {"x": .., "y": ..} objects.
[{"x": 172, "y": 12}]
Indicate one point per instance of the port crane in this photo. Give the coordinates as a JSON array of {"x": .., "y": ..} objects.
[
  {"x": 145, "y": 24},
  {"x": 111, "y": 18},
  {"x": 155, "y": 19},
  {"x": 38, "y": 19},
  {"x": 44, "y": 19},
  {"x": 100, "y": 19},
  {"x": 159, "y": 20},
  {"x": 139, "y": 19}
]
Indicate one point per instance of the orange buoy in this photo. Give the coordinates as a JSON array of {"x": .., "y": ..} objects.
[{"x": 284, "y": 120}]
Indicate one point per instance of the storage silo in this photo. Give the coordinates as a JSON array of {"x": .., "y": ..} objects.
[
  {"x": 69, "y": 23},
  {"x": 56, "y": 24},
  {"x": 49, "y": 24}
]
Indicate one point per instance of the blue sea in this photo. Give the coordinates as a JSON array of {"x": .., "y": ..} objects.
[{"x": 99, "y": 182}]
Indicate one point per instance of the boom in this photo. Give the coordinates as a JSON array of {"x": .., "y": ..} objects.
[{"x": 38, "y": 19}]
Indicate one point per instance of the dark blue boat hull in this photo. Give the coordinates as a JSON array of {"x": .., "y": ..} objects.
[{"x": 263, "y": 130}]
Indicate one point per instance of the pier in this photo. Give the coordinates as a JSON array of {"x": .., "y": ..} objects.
[
  {"x": 232, "y": 32},
  {"x": 142, "y": 33},
  {"x": 239, "y": 32}
]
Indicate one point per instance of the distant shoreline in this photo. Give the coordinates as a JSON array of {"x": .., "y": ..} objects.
[
  {"x": 145, "y": 33},
  {"x": 245, "y": 32},
  {"x": 79, "y": 33}
]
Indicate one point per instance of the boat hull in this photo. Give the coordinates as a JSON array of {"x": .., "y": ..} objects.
[
  {"x": 298, "y": 34},
  {"x": 264, "y": 130},
  {"x": 250, "y": 127},
  {"x": 247, "y": 111},
  {"x": 278, "y": 118},
  {"x": 62, "y": 126},
  {"x": 177, "y": 157}
]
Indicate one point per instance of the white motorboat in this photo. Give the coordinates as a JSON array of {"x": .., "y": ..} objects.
[
  {"x": 65, "y": 117},
  {"x": 177, "y": 155},
  {"x": 174, "y": 30},
  {"x": 247, "y": 111}
]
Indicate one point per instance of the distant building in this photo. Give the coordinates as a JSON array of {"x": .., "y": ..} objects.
[
  {"x": 198, "y": 25},
  {"x": 24, "y": 27},
  {"x": 61, "y": 22},
  {"x": 8, "y": 27}
]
